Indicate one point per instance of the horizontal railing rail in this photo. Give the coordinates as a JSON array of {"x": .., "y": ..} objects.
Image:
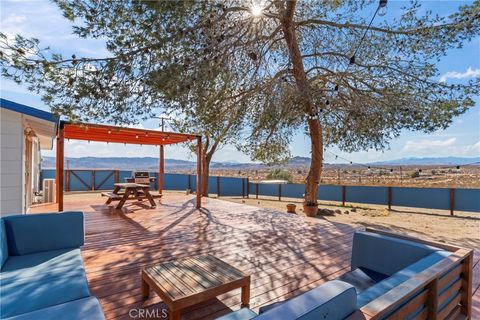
[{"x": 452, "y": 199}]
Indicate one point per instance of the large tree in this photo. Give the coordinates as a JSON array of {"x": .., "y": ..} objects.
[
  {"x": 299, "y": 57},
  {"x": 215, "y": 110}
]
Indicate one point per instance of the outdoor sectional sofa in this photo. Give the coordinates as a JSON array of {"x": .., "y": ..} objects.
[
  {"x": 391, "y": 277},
  {"x": 42, "y": 274}
]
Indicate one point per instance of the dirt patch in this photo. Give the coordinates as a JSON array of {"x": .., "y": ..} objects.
[{"x": 462, "y": 229}]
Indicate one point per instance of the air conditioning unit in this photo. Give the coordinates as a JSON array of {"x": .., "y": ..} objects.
[{"x": 49, "y": 190}]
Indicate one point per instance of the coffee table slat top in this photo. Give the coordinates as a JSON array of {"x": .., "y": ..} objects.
[{"x": 185, "y": 278}]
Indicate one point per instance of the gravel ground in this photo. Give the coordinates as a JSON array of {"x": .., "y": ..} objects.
[{"x": 462, "y": 229}]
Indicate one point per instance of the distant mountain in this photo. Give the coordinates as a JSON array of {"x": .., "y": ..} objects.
[
  {"x": 120, "y": 163},
  {"x": 444, "y": 161},
  {"x": 150, "y": 163}
]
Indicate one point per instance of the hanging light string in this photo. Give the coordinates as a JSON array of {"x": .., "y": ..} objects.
[
  {"x": 391, "y": 168},
  {"x": 381, "y": 5}
]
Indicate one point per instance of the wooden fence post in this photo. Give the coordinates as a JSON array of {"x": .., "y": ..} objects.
[
  {"x": 218, "y": 186},
  {"x": 452, "y": 200},
  {"x": 243, "y": 187},
  {"x": 344, "y": 195},
  {"x": 67, "y": 180},
  {"x": 279, "y": 192},
  {"x": 389, "y": 196},
  {"x": 116, "y": 176},
  {"x": 93, "y": 181}
]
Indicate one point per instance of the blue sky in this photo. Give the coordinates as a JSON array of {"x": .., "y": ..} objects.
[{"x": 43, "y": 20}]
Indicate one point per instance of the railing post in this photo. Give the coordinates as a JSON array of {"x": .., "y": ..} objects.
[
  {"x": 248, "y": 187},
  {"x": 452, "y": 200},
  {"x": 190, "y": 182},
  {"x": 256, "y": 191},
  {"x": 344, "y": 195},
  {"x": 389, "y": 195},
  {"x": 218, "y": 186},
  {"x": 93, "y": 181},
  {"x": 279, "y": 192}
]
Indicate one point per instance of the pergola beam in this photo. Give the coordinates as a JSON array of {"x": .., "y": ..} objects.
[{"x": 114, "y": 134}]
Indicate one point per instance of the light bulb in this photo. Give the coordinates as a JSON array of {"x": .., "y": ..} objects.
[{"x": 382, "y": 11}]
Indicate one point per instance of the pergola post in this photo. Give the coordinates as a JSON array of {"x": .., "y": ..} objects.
[
  {"x": 59, "y": 167},
  {"x": 199, "y": 172},
  {"x": 161, "y": 170}
]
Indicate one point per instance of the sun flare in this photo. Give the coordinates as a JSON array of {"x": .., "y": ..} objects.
[{"x": 256, "y": 10}]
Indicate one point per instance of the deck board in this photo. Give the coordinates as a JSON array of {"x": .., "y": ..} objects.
[{"x": 285, "y": 254}]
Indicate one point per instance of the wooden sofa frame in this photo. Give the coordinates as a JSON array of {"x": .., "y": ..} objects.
[{"x": 425, "y": 286}]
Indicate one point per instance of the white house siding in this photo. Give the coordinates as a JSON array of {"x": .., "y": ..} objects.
[{"x": 12, "y": 155}]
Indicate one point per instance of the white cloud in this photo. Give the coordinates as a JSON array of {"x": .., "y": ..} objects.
[
  {"x": 440, "y": 148},
  {"x": 470, "y": 73},
  {"x": 427, "y": 144}
]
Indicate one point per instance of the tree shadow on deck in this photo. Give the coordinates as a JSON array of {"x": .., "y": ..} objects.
[{"x": 285, "y": 254}]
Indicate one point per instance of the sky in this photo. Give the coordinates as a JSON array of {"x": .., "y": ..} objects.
[{"x": 43, "y": 20}]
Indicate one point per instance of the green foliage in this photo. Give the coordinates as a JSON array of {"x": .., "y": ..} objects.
[
  {"x": 162, "y": 54},
  {"x": 415, "y": 174},
  {"x": 279, "y": 174}
]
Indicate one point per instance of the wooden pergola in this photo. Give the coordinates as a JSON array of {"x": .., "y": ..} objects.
[{"x": 114, "y": 134}]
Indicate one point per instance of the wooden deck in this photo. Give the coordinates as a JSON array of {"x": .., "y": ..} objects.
[{"x": 285, "y": 254}]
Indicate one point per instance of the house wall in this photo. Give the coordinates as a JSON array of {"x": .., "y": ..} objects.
[{"x": 12, "y": 159}]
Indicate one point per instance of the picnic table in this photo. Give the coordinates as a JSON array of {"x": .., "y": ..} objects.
[{"x": 129, "y": 191}]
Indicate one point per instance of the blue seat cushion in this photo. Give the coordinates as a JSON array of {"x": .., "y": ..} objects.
[
  {"x": 86, "y": 308},
  {"x": 362, "y": 278},
  {"x": 64, "y": 262},
  {"x": 385, "y": 254},
  {"x": 333, "y": 300},
  {"x": 242, "y": 314},
  {"x": 41, "y": 280},
  {"x": 401, "y": 276},
  {"x": 3, "y": 244}
]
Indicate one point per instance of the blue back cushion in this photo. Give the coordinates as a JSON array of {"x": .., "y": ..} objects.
[
  {"x": 44, "y": 232},
  {"x": 385, "y": 254},
  {"x": 334, "y": 300},
  {"x": 4, "y": 244},
  {"x": 401, "y": 276}
]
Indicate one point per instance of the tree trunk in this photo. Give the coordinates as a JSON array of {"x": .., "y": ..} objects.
[
  {"x": 314, "y": 127},
  {"x": 206, "y": 159}
]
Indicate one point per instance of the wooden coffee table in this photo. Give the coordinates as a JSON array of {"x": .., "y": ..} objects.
[{"x": 184, "y": 283}]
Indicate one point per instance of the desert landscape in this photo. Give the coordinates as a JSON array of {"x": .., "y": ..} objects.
[{"x": 463, "y": 229}]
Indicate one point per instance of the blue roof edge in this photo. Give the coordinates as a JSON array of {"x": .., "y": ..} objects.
[{"x": 21, "y": 108}]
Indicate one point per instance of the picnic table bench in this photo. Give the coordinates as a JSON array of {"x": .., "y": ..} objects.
[{"x": 129, "y": 191}]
